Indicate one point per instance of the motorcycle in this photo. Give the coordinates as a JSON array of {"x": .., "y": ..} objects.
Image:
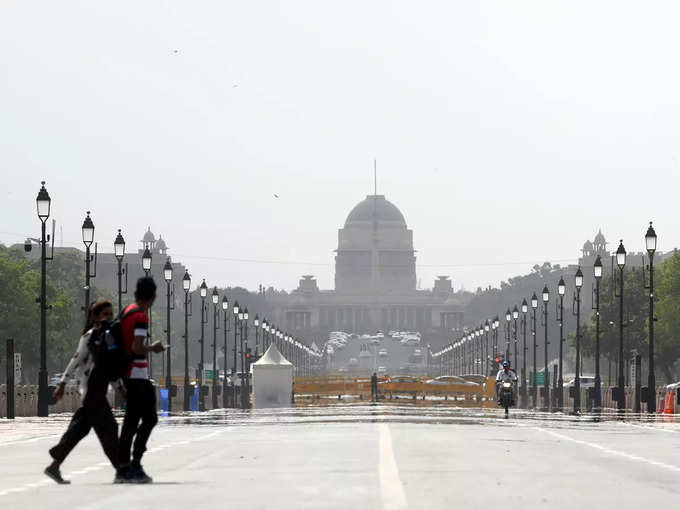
[{"x": 506, "y": 396}]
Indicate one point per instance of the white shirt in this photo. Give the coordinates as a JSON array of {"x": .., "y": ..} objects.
[{"x": 509, "y": 376}]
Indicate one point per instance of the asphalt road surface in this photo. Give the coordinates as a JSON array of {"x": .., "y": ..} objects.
[{"x": 356, "y": 457}]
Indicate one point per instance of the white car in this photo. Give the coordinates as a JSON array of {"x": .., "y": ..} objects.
[{"x": 585, "y": 382}]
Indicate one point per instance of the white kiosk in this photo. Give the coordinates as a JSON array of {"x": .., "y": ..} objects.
[{"x": 272, "y": 380}]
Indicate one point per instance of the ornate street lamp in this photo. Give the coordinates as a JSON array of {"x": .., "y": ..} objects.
[
  {"x": 167, "y": 275},
  {"x": 88, "y": 239},
  {"x": 119, "y": 253},
  {"x": 203, "y": 293},
  {"x": 650, "y": 243},
  {"x": 186, "y": 287},
  {"x": 43, "y": 203},
  {"x": 561, "y": 290},
  {"x": 597, "y": 273},
  {"x": 225, "y": 386},
  {"x": 621, "y": 394},
  {"x": 546, "y": 388},
  {"x": 578, "y": 283},
  {"x": 215, "y": 300},
  {"x": 534, "y": 336}
]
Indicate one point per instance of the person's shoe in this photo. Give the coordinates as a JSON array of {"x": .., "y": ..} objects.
[
  {"x": 137, "y": 474},
  {"x": 54, "y": 473},
  {"x": 123, "y": 475}
]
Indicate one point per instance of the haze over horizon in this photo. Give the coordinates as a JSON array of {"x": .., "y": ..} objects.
[{"x": 507, "y": 133}]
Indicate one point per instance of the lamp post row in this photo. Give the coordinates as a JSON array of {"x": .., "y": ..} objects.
[{"x": 461, "y": 355}]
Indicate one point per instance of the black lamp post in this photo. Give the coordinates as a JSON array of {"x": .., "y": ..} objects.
[
  {"x": 245, "y": 390},
  {"x": 186, "y": 286},
  {"x": 167, "y": 275},
  {"x": 265, "y": 334},
  {"x": 597, "y": 272},
  {"x": 43, "y": 203},
  {"x": 487, "y": 328},
  {"x": 515, "y": 315},
  {"x": 650, "y": 242},
  {"x": 525, "y": 309},
  {"x": 146, "y": 267},
  {"x": 203, "y": 292},
  {"x": 88, "y": 239},
  {"x": 621, "y": 262},
  {"x": 216, "y": 311},
  {"x": 546, "y": 388},
  {"x": 238, "y": 316},
  {"x": 494, "y": 324},
  {"x": 561, "y": 289},
  {"x": 508, "y": 316},
  {"x": 256, "y": 324},
  {"x": 119, "y": 252},
  {"x": 534, "y": 307},
  {"x": 578, "y": 283},
  {"x": 225, "y": 386}
]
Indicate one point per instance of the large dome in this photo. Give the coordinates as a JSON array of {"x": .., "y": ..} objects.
[{"x": 384, "y": 210}]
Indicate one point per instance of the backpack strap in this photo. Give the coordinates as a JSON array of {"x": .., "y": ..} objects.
[{"x": 132, "y": 310}]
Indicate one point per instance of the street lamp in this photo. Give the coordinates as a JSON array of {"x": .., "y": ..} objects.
[
  {"x": 650, "y": 242},
  {"x": 597, "y": 273},
  {"x": 525, "y": 309},
  {"x": 186, "y": 286},
  {"x": 43, "y": 202},
  {"x": 265, "y": 334},
  {"x": 88, "y": 239},
  {"x": 487, "y": 328},
  {"x": 245, "y": 383},
  {"x": 621, "y": 262},
  {"x": 534, "y": 307},
  {"x": 119, "y": 253},
  {"x": 203, "y": 292},
  {"x": 578, "y": 283},
  {"x": 237, "y": 326},
  {"x": 225, "y": 387},
  {"x": 508, "y": 316},
  {"x": 546, "y": 388},
  {"x": 167, "y": 275},
  {"x": 561, "y": 289},
  {"x": 215, "y": 299}
]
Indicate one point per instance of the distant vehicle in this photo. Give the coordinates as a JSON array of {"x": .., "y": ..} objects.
[
  {"x": 410, "y": 340},
  {"x": 404, "y": 379},
  {"x": 475, "y": 378},
  {"x": 506, "y": 396},
  {"x": 450, "y": 379},
  {"x": 382, "y": 353},
  {"x": 585, "y": 382}
]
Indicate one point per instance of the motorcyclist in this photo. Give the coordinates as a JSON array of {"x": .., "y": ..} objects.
[{"x": 504, "y": 375}]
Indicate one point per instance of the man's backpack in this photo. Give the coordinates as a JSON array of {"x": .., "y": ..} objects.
[{"x": 107, "y": 348}]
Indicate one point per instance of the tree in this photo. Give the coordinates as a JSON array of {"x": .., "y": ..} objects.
[{"x": 667, "y": 329}]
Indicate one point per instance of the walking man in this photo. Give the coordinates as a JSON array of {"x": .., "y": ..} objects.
[{"x": 141, "y": 395}]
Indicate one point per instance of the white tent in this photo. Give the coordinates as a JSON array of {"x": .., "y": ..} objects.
[{"x": 272, "y": 380}]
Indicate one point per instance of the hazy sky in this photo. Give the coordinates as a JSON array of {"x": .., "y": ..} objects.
[{"x": 507, "y": 132}]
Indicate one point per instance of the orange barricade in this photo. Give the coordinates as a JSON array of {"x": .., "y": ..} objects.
[{"x": 669, "y": 405}]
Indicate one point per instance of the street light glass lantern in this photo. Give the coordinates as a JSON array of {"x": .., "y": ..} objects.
[
  {"x": 88, "y": 230},
  {"x": 486, "y": 326},
  {"x": 240, "y": 316},
  {"x": 225, "y": 303},
  {"x": 245, "y": 313},
  {"x": 650, "y": 239},
  {"x": 621, "y": 255},
  {"x": 43, "y": 202},
  {"x": 597, "y": 268},
  {"x": 561, "y": 287},
  {"x": 525, "y": 306},
  {"x": 167, "y": 270},
  {"x": 236, "y": 308},
  {"x": 515, "y": 312},
  {"x": 119, "y": 246},
  {"x": 215, "y": 296},
  {"x": 508, "y": 316},
  {"x": 256, "y": 321},
  {"x": 546, "y": 294},
  {"x": 534, "y": 301},
  {"x": 578, "y": 278},
  {"x": 186, "y": 281},
  {"x": 146, "y": 260},
  {"x": 203, "y": 289}
]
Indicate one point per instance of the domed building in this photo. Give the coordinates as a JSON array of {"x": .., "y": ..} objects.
[{"x": 375, "y": 284}]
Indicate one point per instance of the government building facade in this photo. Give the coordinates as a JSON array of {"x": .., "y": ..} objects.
[{"x": 375, "y": 285}]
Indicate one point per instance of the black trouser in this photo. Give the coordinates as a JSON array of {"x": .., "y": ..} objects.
[
  {"x": 141, "y": 405},
  {"x": 94, "y": 413}
]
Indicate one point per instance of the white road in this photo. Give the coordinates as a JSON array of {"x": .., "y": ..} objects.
[{"x": 372, "y": 457}]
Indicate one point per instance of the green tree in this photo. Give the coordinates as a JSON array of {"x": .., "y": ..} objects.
[{"x": 667, "y": 310}]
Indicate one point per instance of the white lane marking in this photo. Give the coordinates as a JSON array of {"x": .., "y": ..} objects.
[
  {"x": 98, "y": 466},
  {"x": 32, "y": 440},
  {"x": 617, "y": 453},
  {"x": 391, "y": 488}
]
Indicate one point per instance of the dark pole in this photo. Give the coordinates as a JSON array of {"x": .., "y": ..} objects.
[
  {"x": 201, "y": 396},
  {"x": 650, "y": 239},
  {"x": 620, "y": 260},
  {"x": 597, "y": 271},
  {"x": 10, "y": 378},
  {"x": 187, "y": 386},
  {"x": 215, "y": 370},
  {"x": 546, "y": 386},
  {"x": 577, "y": 377},
  {"x": 168, "y": 374},
  {"x": 43, "y": 397},
  {"x": 120, "y": 286},
  {"x": 234, "y": 369},
  {"x": 534, "y": 306},
  {"x": 561, "y": 289},
  {"x": 225, "y": 387},
  {"x": 524, "y": 354},
  {"x": 243, "y": 364}
]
